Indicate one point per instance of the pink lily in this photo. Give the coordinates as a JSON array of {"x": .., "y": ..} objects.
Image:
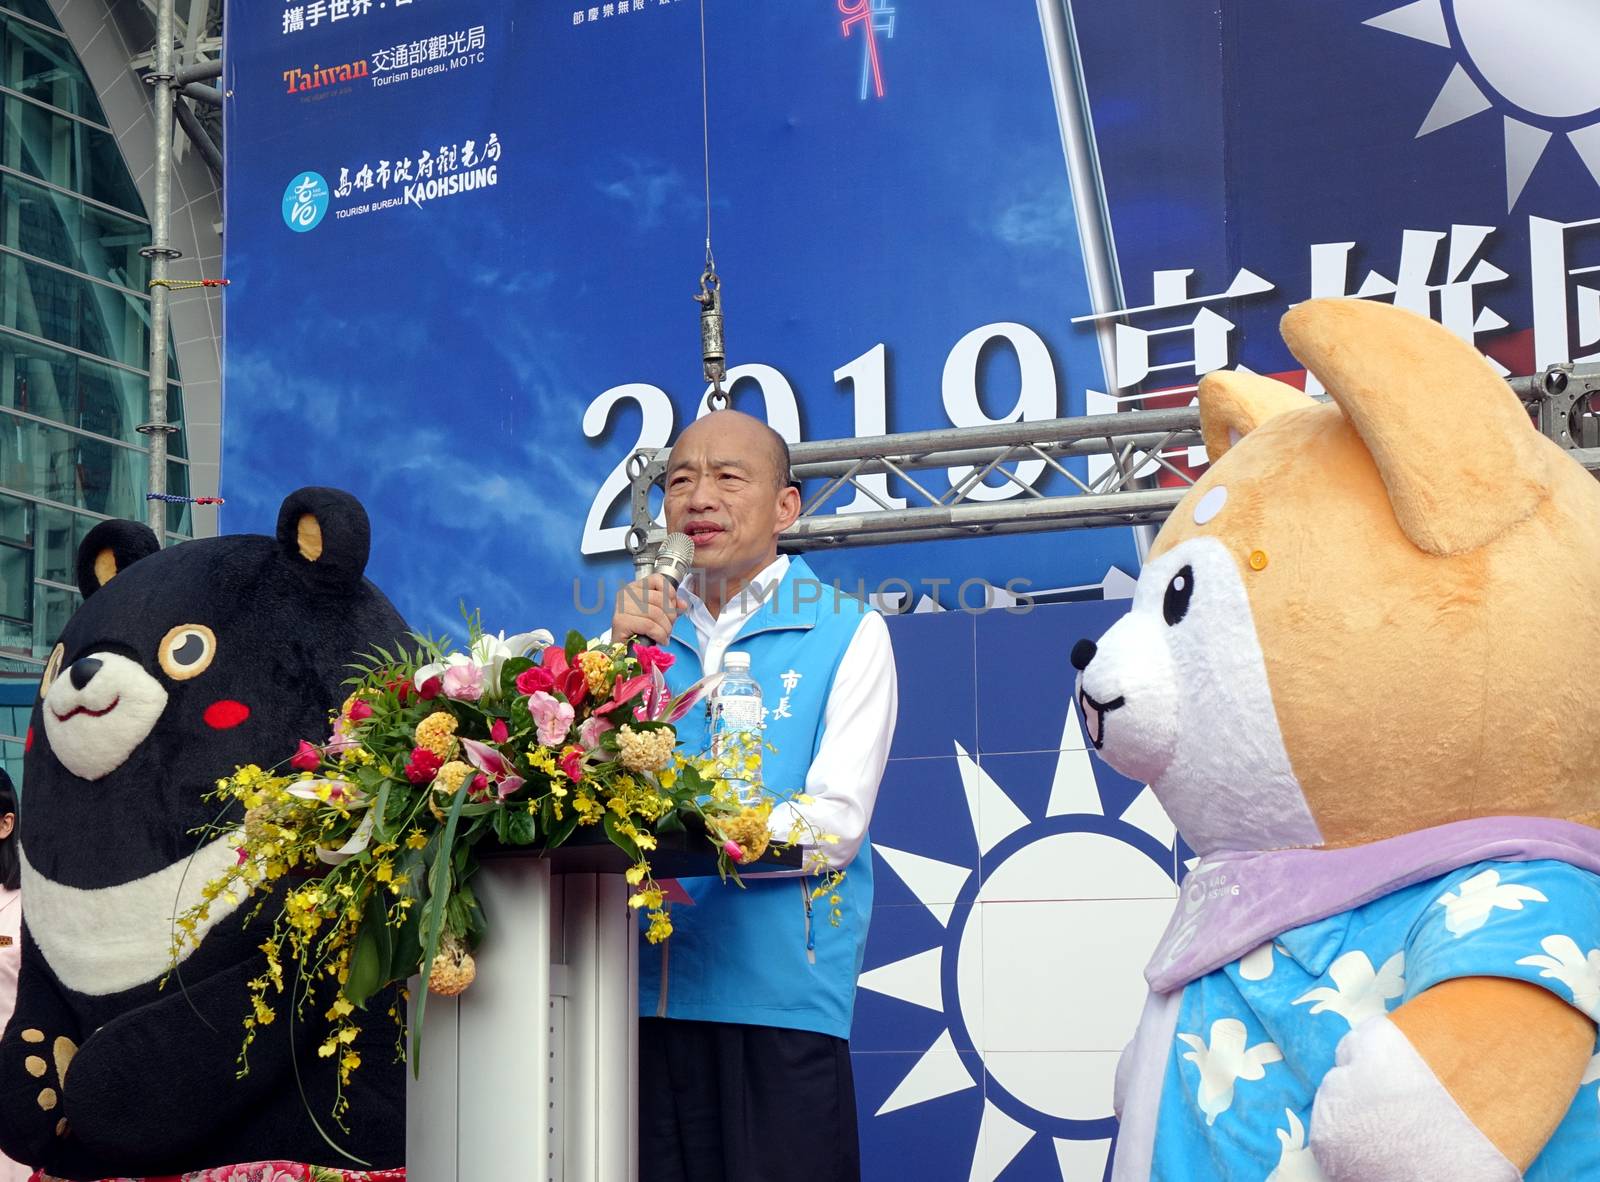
[
  {"x": 486, "y": 759},
  {"x": 681, "y": 705}
]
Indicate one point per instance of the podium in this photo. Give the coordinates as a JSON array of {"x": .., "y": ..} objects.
[{"x": 531, "y": 1075}]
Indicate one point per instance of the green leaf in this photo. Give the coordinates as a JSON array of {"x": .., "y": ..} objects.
[
  {"x": 509, "y": 672},
  {"x": 576, "y": 643},
  {"x": 373, "y": 950},
  {"x": 619, "y": 839},
  {"x": 670, "y": 823},
  {"x": 405, "y": 951},
  {"x": 438, "y": 890},
  {"x": 561, "y": 830},
  {"x": 382, "y": 830},
  {"x": 520, "y": 827}
]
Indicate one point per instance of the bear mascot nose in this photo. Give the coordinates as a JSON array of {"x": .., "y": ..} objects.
[
  {"x": 1082, "y": 653},
  {"x": 82, "y": 671}
]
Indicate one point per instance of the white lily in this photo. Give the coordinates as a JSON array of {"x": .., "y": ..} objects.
[
  {"x": 340, "y": 792},
  {"x": 359, "y": 840},
  {"x": 347, "y": 795},
  {"x": 489, "y": 653}
]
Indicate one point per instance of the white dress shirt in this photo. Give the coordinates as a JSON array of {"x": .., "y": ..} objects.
[{"x": 857, "y": 723}]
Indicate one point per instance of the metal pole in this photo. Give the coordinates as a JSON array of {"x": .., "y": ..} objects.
[
  {"x": 156, "y": 429},
  {"x": 1089, "y": 202}
]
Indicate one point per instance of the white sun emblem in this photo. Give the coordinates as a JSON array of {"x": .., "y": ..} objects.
[
  {"x": 1532, "y": 60},
  {"x": 1021, "y": 970}
]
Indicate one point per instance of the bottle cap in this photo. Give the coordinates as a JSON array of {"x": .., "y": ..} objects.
[{"x": 736, "y": 662}]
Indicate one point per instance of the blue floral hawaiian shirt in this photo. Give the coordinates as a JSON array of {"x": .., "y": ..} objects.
[{"x": 1255, "y": 1038}]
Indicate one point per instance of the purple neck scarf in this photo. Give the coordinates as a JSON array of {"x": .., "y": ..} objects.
[{"x": 1232, "y": 903}]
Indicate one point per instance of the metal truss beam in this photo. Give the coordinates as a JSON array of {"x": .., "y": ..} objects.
[{"x": 1130, "y": 447}]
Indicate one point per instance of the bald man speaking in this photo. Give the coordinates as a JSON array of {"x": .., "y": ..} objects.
[{"x": 744, "y": 1063}]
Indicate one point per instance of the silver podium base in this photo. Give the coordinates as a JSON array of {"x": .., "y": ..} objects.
[{"x": 531, "y": 1075}]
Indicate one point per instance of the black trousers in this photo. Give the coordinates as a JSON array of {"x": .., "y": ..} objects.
[{"x": 720, "y": 1102}]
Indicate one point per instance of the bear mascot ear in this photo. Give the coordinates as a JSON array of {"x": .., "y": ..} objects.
[
  {"x": 324, "y": 533},
  {"x": 108, "y": 549}
]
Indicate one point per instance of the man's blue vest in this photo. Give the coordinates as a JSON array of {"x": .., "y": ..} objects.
[{"x": 767, "y": 954}]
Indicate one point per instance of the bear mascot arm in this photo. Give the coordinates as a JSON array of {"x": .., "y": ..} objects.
[
  {"x": 182, "y": 665},
  {"x": 1339, "y": 679}
]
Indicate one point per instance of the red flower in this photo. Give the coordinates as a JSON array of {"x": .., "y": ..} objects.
[
  {"x": 572, "y": 763},
  {"x": 574, "y": 685},
  {"x": 306, "y": 757},
  {"x": 360, "y": 710},
  {"x": 566, "y": 679},
  {"x": 479, "y": 787},
  {"x": 430, "y": 688},
  {"x": 422, "y": 766},
  {"x": 499, "y": 731},
  {"x": 531, "y": 681},
  {"x": 651, "y": 657}
]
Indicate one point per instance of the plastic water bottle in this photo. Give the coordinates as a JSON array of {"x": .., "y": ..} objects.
[{"x": 736, "y": 712}]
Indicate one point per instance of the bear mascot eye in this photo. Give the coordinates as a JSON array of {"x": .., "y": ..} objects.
[
  {"x": 187, "y": 650},
  {"x": 52, "y": 668},
  {"x": 1176, "y": 604}
]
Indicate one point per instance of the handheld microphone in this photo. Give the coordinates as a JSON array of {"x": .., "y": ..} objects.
[{"x": 674, "y": 558}]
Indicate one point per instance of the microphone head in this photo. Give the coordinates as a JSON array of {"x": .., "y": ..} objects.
[{"x": 674, "y": 558}]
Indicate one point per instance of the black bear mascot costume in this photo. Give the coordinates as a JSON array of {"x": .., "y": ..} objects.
[{"x": 182, "y": 665}]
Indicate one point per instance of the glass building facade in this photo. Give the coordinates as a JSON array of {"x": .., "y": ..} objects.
[{"x": 74, "y": 347}]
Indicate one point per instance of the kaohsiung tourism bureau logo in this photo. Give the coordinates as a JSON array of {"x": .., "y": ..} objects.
[{"x": 305, "y": 202}]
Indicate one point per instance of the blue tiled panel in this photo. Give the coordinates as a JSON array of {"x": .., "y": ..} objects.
[
  {"x": 1028, "y": 777},
  {"x": 935, "y": 655},
  {"x": 922, "y": 810},
  {"x": 1024, "y": 671},
  {"x": 932, "y": 1141},
  {"x": 888, "y": 1023}
]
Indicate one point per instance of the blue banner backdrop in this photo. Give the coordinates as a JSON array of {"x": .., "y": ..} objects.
[{"x": 463, "y": 237}]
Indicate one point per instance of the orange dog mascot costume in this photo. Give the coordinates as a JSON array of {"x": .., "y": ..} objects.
[{"x": 1359, "y": 673}]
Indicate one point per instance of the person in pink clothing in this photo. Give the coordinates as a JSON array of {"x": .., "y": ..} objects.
[{"x": 10, "y": 932}]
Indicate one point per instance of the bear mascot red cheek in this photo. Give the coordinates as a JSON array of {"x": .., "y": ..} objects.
[{"x": 182, "y": 665}]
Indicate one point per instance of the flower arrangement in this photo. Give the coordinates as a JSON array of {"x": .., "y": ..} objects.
[{"x": 371, "y": 835}]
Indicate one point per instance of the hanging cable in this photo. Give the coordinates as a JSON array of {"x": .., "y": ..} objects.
[{"x": 713, "y": 352}]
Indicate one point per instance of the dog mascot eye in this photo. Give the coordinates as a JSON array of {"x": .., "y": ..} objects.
[
  {"x": 1176, "y": 604},
  {"x": 51, "y": 668},
  {"x": 186, "y": 651}
]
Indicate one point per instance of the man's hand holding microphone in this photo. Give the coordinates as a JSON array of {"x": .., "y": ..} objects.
[{"x": 648, "y": 607}]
